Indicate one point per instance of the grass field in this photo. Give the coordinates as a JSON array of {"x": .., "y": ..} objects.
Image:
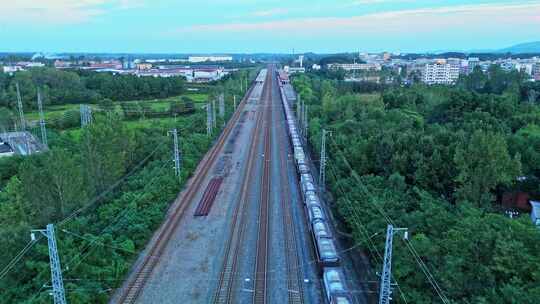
[{"x": 56, "y": 112}]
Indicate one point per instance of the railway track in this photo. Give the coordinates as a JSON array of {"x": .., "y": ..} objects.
[
  {"x": 261, "y": 259},
  {"x": 224, "y": 291},
  {"x": 138, "y": 279},
  {"x": 295, "y": 293}
]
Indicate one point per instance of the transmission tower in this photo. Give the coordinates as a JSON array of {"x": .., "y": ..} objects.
[
  {"x": 20, "y": 106},
  {"x": 214, "y": 122},
  {"x": 21, "y": 116},
  {"x": 42, "y": 120},
  {"x": 385, "y": 294},
  {"x": 322, "y": 163},
  {"x": 209, "y": 123},
  {"x": 59, "y": 295},
  {"x": 222, "y": 106},
  {"x": 86, "y": 115},
  {"x": 176, "y": 152}
]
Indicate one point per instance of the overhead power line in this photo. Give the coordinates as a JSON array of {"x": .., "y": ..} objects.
[{"x": 430, "y": 277}]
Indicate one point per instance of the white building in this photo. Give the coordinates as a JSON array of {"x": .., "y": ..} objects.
[
  {"x": 12, "y": 68},
  {"x": 441, "y": 72},
  {"x": 536, "y": 71},
  {"x": 5, "y": 149},
  {"x": 535, "y": 213},
  {"x": 355, "y": 66},
  {"x": 291, "y": 70},
  {"x": 197, "y": 59}
]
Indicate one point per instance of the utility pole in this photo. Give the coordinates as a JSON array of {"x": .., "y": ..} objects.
[
  {"x": 59, "y": 295},
  {"x": 42, "y": 120},
  {"x": 385, "y": 294},
  {"x": 305, "y": 121},
  {"x": 209, "y": 123},
  {"x": 176, "y": 152},
  {"x": 299, "y": 113},
  {"x": 322, "y": 162},
  {"x": 234, "y": 102}
]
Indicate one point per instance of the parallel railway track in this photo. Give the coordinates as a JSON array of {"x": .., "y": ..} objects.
[
  {"x": 226, "y": 281},
  {"x": 137, "y": 281},
  {"x": 294, "y": 271},
  {"x": 261, "y": 260}
]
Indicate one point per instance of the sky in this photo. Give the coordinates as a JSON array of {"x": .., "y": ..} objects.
[{"x": 253, "y": 26}]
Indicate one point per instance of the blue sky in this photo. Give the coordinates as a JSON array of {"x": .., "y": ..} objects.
[{"x": 247, "y": 26}]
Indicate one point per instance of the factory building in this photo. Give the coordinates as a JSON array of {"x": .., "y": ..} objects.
[{"x": 199, "y": 59}]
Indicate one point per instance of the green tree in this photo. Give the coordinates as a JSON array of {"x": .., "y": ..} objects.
[
  {"x": 105, "y": 145},
  {"x": 484, "y": 163}
]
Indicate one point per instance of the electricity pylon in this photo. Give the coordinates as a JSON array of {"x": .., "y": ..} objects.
[
  {"x": 42, "y": 120},
  {"x": 385, "y": 294},
  {"x": 59, "y": 295},
  {"x": 176, "y": 152}
]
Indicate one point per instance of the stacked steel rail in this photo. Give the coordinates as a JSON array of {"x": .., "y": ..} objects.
[
  {"x": 138, "y": 279},
  {"x": 207, "y": 200}
]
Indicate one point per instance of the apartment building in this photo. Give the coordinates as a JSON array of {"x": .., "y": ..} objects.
[
  {"x": 442, "y": 71},
  {"x": 355, "y": 66},
  {"x": 536, "y": 71}
]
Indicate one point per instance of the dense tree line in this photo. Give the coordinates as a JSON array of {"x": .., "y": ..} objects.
[
  {"x": 106, "y": 187},
  {"x": 435, "y": 160},
  {"x": 65, "y": 86},
  {"x": 100, "y": 242}
]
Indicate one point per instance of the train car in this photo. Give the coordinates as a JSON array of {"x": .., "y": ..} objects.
[
  {"x": 311, "y": 198},
  {"x": 326, "y": 251},
  {"x": 341, "y": 298},
  {"x": 308, "y": 187},
  {"x": 320, "y": 228},
  {"x": 303, "y": 168},
  {"x": 306, "y": 177},
  {"x": 335, "y": 289},
  {"x": 300, "y": 159},
  {"x": 261, "y": 77},
  {"x": 315, "y": 213}
]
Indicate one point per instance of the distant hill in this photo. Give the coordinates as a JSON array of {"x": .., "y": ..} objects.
[{"x": 522, "y": 48}]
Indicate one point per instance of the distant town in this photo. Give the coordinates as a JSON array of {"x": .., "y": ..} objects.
[
  {"x": 443, "y": 70},
  {"x": 139, "y": 67}
]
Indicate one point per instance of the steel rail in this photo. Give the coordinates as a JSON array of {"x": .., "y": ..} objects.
[
  {"x": 138, "y": 279},
  {"x": 261, "y": 260},
  {"x": 294, "y": 271},
  {"x": 224, "y": 291}
]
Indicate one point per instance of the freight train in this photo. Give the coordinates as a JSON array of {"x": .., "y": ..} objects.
[{"x": 328, "y": 261}]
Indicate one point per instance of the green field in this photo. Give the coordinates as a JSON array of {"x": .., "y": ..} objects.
[{"x": 56, "y": 112}]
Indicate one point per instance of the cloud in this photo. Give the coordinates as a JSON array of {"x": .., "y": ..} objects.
[
  {"x": 368, "y": 2},
  {"x": 408, "y": 22},
  {"x": 272, "y": 12},
  {"x": 43, "y": 12}
]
